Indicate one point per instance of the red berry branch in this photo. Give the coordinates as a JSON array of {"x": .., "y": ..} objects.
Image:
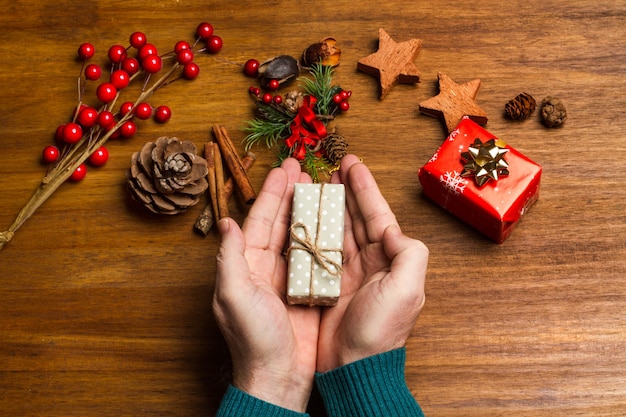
[{"x": 81, "y": 141}]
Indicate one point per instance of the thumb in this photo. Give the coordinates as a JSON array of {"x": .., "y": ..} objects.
[
  {"x": 409, "y": 261},
  {"x": 232, "y": 266}
]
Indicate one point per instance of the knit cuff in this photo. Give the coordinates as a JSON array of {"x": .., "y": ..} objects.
[
  {"x": 237, "y": 403},
  {"x": 373, "y": 387}
]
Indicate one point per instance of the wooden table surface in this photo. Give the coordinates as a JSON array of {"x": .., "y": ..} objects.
[{"x": 105, "y": 309}]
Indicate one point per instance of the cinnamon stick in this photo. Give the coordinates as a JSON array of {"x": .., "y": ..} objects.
[
  {"x": 205, "y": 221},
  {"x": 222, "y": 202},
  {"x": 209, "y": 155},
  {"x": 234, "y": 163},
  {"x": 246, "y": 162}
]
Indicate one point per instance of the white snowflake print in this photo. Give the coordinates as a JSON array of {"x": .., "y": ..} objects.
[
  {"x": 434, "y": 157},
  {"x": 453, "y": 182},
  {"x": 453, "y": 134}
]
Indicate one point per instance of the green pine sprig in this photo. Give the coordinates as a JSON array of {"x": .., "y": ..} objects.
[
  {"x": 320, "y": 86},
  {"x": 260, "y": 130},
  {"x": 269, "y": 128}
]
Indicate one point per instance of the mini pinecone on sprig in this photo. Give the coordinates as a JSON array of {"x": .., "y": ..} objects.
[
  {"x": 167, "y": 176},
  {"x": 335, "y": 146},
  {"x": 520, "y": 107}
]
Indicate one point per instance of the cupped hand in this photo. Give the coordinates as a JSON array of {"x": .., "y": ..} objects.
[
  {"x": 382, "y": 288},
  {"x": 273, "y": 345}
]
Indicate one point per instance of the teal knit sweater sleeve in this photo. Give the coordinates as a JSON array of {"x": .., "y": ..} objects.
[
  {"x": 372, "y": 387},
  {"x": 237, "y": 403}
]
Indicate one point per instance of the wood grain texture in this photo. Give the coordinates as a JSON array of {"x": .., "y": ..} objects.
[{"x": 105, "y": 309}]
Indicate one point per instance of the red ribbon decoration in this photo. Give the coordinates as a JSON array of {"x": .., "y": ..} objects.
[{"x": 306, "y": 129}]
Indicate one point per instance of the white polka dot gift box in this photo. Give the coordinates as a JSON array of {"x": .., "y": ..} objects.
[
  {"x": 481, "y": 180},
  {"x": 315, "y": 254}
]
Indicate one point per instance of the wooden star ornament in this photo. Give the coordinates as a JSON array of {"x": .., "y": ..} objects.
[
  {"x": 392, "y": 63},
  {"x": 453, "y": 102}
]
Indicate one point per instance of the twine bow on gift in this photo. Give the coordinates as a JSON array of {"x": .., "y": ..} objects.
[
  {"x": 306, "y": 129},
  {"x": 319, "y": 254}
]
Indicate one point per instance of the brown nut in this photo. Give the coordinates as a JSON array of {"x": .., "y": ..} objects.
[
  {"x": 283, "y": 68},
  {"x": 325, "y": 53},
  {"x": 553, "y": 112}
]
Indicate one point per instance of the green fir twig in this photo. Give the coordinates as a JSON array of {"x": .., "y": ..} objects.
[
  {"x": 271, "y": 126},
  {"x": 320, "y": 86}
]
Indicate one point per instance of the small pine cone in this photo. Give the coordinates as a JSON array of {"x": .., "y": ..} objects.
[
  {"x": 167, "y": 176},
  {"x": 520, "y": 107},
  {"x": 293, "y": 101},
  {"x": 553, "y": 113},
  {"x": 335, "y": 146}
]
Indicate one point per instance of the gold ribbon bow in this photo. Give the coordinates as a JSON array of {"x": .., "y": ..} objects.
[{"x": 485, "y": 161}]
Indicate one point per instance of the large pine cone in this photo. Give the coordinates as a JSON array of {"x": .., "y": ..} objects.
[{"x": 167, "y": 176}]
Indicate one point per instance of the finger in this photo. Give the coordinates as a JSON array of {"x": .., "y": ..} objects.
[
  {"x": 350, "y": 247},
  {"x": 345, "y": 165},
  {"x": 370, "y": 212},
  {"x": 353, "y": 216},
  {"x": 283, "y": 219},
  {"x": 261, "y": 220},
  {"x": 305, "y": 178}
]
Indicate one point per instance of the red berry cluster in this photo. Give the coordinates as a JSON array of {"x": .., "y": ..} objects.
[
  {"x": 266, "y": 98},
  {"x": 91, "y": 123},
  {"x": 341, "y": 100},
  {"x": 213, "y": 42}
]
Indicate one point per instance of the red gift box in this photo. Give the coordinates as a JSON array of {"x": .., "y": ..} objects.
[{"x": 494, "y": 208}]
